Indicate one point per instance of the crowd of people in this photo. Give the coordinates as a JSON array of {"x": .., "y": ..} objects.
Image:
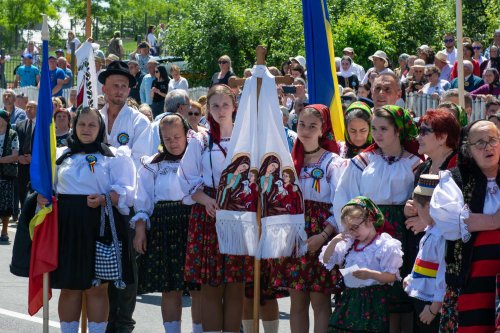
[{"x": 401, "y": 213}]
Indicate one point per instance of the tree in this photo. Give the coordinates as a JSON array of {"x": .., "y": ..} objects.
[{"x": 22, "y": 14}]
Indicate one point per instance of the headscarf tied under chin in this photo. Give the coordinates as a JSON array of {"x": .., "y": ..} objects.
[
  {"x": 76, "y": 146},
  {"x": 460, "y": 114},
  {"x": 326, "y": 141},
  {"x": 163, "y": 154},
  {"x": 374, "y": 213},
  {"x": 353, "y": 149},
  {"x": 407, "y": 129}
]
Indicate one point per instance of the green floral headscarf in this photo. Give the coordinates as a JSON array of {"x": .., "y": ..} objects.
[
  {"x": 404, "y": 122},
  {"x": 460, "y": 114},
  {"x": 374, "y": 213},
  {"x": 363, "y": 107}
]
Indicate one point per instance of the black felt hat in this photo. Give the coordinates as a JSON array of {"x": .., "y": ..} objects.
[{"x": 117, "y": 67}]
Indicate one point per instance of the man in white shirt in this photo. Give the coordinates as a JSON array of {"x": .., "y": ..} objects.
[
  {"x": 449, "y": 48},
  {"x": 380, "y": 65},
  {"x": 441, "y": 62},
  {"x": 124, "y": 126}
]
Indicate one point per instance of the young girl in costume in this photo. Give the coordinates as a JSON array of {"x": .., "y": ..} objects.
[
  {"x": 221, "y": 276},
  {"x": 384, "y": 172},
  {"x": 319, "y": 168},
  {"x": 363, "y": 307},
  {"x": 159, "y": 208}
]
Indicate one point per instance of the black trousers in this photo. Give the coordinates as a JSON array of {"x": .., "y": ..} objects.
[
  {"x": 122, "y": 301},
  {"x": 420, "y": 327}
]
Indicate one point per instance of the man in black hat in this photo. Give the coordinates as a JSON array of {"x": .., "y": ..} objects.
[{"x": 124, "y": 126}]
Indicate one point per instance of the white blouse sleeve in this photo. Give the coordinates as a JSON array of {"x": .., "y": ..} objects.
[
  {"x": 390, "y": 254},
  {"x": 348, "y": 187},
  {"x": 144, "y": 195},
  {"x": 440, "y": 276},
  {"x": 447, "y": 208},
  {"x": 338, "y": 254},
  {"x": 335, "y": 170},
  {"x": 190, "y": 170},
  {"x": 123, "y": 178}
]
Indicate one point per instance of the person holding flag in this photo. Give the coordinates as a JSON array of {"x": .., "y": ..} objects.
[{"x": 87, "y": 182}]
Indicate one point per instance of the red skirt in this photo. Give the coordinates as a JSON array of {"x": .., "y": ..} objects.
[
  {"x": 204, "y": 263},
  {"x": 307, "y": 273}
]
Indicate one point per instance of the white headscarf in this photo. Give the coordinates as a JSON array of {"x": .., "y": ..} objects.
[{"x": 349, "y": 72}]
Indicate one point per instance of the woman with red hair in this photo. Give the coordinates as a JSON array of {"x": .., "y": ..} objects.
[{"x": 438, "y": 139}]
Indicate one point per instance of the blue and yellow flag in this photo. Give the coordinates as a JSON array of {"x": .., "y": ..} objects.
[
  {"x": 44, "y": 225},
  {"x": 320, "y": 60}
]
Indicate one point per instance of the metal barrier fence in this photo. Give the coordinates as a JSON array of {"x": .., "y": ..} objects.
[
  {"x": 420, "y": 103},
  {"x": 32, "y": 93}
]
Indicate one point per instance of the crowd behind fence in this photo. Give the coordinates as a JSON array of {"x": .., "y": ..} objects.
[{"x": 418, "y": 103}]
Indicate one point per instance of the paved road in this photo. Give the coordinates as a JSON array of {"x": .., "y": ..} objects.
[{"x": 14, "y": 300}]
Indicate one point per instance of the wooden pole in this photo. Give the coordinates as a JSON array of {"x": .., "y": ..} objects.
[
  {"x": 261, "y": 60},
  {"x": 45, "y": 302},
  {"x": 88, "y": 20},
  {"x": 460, "y": 54}
]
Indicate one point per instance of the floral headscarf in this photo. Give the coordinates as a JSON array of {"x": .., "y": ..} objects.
[
  {"x": 460, "y": 114},
  {"x": 374, "y": 213},
  {"x": 404, "y": 122},
  {"x": 365, "y": 108}
]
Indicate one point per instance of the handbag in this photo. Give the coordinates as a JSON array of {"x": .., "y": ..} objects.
[{"x": 108, "y": 263}]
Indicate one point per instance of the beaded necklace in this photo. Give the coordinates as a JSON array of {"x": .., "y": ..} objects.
[
  {"x": 356, "y": 243},
  {"x": 391, "y": 159}
]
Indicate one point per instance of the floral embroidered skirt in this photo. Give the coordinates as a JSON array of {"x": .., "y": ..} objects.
[
  {"x": 361, "y": 310},
  {"x": 6, "y": 197},
  {"x": 204, "y": 263},
  {"x": 306, "y": 273},
  {"x": 161, "y": 268},
  {"x": 399, "y": 301}
]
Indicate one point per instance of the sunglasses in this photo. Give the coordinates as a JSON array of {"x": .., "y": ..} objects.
[
  {"x": 448, "y": 40},
  {"x": 196, "y": 114},
  {"x": 429, "y": 75},
  {"x": 222, "y": 62},
  {"x": 424, "y": 130},
  {"x": 477, "y": 47}
]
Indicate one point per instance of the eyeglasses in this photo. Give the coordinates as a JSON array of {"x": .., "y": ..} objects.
[
  {"x": 448, "y": 40},
  {"x": 196, "y": 114},
  {"x": 481, "y": 144},
  {"x": 429, "y": 74},
  {"x": 222, "y": 62},
  {"x": 424, "y": 130},
  {"x": 355, "y": 227},
  {"x": 477, "y": 47}
]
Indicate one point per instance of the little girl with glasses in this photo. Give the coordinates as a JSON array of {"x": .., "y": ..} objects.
[{"x": 363, "y": 306}]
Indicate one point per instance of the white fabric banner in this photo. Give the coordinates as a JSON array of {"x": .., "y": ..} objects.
[
  {"x": 259, "y": 164},
  {"x": 86, "y": 83}
]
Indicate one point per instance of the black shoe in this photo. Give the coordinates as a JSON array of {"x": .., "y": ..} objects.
[{"x": 4, "y": 238}]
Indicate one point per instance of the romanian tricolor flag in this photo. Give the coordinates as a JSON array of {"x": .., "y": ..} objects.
[
  {"x": 43, "y": 227},
  {"x": 320, "y": 60},
  {"x": 425, "y": 269}
]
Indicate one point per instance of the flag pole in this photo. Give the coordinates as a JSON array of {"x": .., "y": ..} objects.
[
  {"x": 261, "y": 60},
  {"x": 460, "y": 54},
  {"x": 45, "y": 37}
]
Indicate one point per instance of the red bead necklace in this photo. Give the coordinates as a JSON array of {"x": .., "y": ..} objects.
[{"x": 356, "y": 249}]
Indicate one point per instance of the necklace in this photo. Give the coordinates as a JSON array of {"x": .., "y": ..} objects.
[
  {"x": 356, "y": 249},
  {"x": 312, "y": 151},
  {"x": 391, "y": 159}
]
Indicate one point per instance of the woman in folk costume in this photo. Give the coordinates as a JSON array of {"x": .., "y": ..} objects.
[
  {"x": 159, "y": 208},
  {"x": 316, "y": 161},
  {"x": 384, "y": 172},
  {"x": 90, "y": 176},
  {"x": 358, "y": 134},
  {"x": 221, "y": 276},
  {"x": 465, "y": 206}
]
